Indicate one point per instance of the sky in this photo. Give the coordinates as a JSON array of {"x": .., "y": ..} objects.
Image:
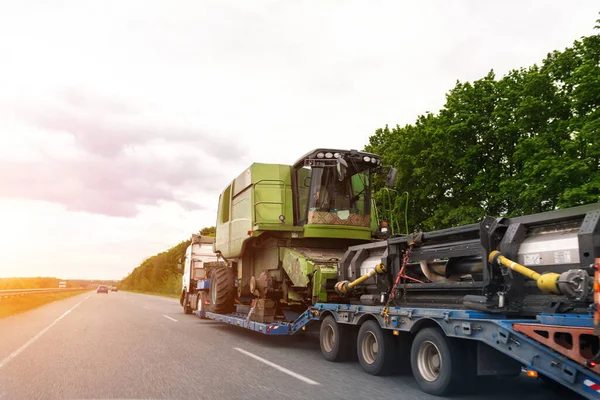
[{"x": 122, "y": 121}]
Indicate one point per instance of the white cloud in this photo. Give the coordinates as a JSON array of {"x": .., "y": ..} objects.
[{"x": 142, "y": 108}]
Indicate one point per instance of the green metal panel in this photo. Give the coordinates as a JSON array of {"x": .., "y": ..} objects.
[
  {"x": 337, "y": 231},
  {"x": 240, "y": 222},
  {"x": 322, "y": 274},
  {"x": 259, "y": 196},
  {"x": 299, "y": 264},
  {"x": 295, "y": 265},
  {"x": 272, "y": 193}
]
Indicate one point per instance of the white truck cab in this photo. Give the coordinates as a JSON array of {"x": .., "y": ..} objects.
[{"x": 199, "y": 252}]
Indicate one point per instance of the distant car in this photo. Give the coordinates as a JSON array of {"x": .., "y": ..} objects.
[
  {"x": 102, "y": 289},
  {"x": 114, "y": 289}
]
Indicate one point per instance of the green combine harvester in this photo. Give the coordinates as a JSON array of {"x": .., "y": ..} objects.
[{"x": 283, "y": 230}]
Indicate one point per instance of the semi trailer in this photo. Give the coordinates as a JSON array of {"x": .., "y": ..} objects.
[{"x": 298, "y": 247}]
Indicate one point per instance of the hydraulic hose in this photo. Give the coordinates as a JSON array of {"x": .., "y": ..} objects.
[
  {"x": 345, "y": 287},
  {"x": 547, "y": 283}
]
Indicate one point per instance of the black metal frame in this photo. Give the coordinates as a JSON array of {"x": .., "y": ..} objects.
[{"x": 504, "y": 234}]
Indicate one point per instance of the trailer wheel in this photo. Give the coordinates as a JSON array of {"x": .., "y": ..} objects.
[
  {"x": 335, "y": 340},
  {"x": 376, "y": 349},
  {"x": 436, "y": 361},
  {"x": 221, "y": 290}
]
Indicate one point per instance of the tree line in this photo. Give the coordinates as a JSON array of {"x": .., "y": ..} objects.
[
  {"x": 39, "y": 282},
  {"x": 162, "y": 272},
  {"x": 524, "y": 143}
]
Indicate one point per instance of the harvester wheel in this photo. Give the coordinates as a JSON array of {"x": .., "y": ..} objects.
[
  {"x": 437, "y": 362},
  {"x": 222, "y": 290},
  {"x": 336, "y": 340},
  {"x": 376, "y": 349}
]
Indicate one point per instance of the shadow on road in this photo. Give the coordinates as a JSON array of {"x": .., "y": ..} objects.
[
  {"x": 302, "y": 340},
  {"x": 481, "y": 387}
]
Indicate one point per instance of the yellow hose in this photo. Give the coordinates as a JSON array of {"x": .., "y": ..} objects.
[
  {"x": 345, "y": 286},
  {"x": 547, "y": 283}
]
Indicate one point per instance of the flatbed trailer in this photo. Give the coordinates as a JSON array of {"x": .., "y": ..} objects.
[{"x": 550, "y": 345}]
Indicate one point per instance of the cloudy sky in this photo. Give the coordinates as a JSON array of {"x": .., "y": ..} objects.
[{"x": 121, "y": 121}]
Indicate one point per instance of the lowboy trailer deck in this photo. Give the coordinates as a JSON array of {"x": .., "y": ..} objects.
[{"x": 430, "y": 339}]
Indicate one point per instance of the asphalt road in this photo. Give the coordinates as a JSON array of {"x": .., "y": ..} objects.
[{"x": 124, "y": 345}]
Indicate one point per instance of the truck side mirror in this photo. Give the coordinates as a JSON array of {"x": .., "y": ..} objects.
[
  {"x": 390, "y": 179},
  {"x": 179, "y": 262}
]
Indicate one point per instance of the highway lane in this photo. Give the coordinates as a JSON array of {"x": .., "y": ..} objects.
[{"x": 125, "y": 345}]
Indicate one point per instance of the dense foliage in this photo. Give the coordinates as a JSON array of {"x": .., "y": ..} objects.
[
  {"x": 161, "y": 273},
  {"x": 208, "y": 231},
  {"x": 525, "y": 143}
]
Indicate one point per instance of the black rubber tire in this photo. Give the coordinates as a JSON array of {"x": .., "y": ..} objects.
[
  {"x": 451, "y": 370},
  {"x": 222, "y": 290},
  {"x": 186, "y": 305},
  {"x": 382, "y": 362},
  {"x": 201, "y": 306},
  {"x": 340, "y": 348}
]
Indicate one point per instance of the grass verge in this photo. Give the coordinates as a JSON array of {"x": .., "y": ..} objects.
[
  {"x": 173, "y": 296},
  {"x": 18, "y": 304}
]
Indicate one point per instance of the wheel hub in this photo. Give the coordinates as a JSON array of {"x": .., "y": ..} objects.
[
  {"x": 429, "y": 361},
  {"x": 329, "y": 339},
  {"x": 369, "y": 348}
]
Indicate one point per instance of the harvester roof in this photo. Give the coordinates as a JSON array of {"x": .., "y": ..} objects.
[{"x": 332, "y": 154}]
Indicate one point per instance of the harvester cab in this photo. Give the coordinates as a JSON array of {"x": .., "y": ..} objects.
[
  {"x": 283, "y": 229},
  {"x": 333, "y": 188}
]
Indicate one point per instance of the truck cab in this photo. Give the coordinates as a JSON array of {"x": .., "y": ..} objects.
[{"x": 199, "y": 256}]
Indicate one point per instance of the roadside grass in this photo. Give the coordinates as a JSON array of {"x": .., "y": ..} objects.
[
  {"x": 173, "y": 296},
  {"x": 19, "y": 304}
]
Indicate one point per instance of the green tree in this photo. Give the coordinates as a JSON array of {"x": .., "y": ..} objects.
[
  {"x": 208, "y": 231},
  {"x": 159, "y": 273},
  {"x": 524, "y": 143}
]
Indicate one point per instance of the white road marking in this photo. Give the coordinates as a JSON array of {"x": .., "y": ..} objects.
[
  {"x": 278, "y": 367},
  {"x": 36, "y": 337},
  {"x": 172, "y": 319}
]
